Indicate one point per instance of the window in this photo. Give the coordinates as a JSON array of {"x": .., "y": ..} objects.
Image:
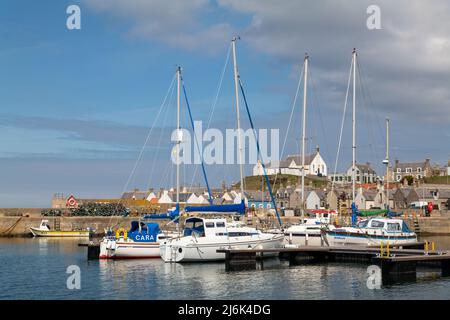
[
  {"x": 209, "y": 224},
  {"x": 393, "y": 227},
  {"x": 419, "y": 169},
  {"x": 419, "y": 176},
  {"x": 363, "y": 224},
  {"x": 220, "y": 224},
  {"x": 408, "y": 170},
  {"x": 377, "y": 224},
  {"x": 398, "y": 177},
  {"x": 240, "y": 234},
  {"x": 399, "y": 170}
]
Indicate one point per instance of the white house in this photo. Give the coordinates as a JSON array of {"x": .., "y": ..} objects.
[
  {"x": 312, "y": 200},
  {"x": 151, "y": 196},
  {"x": 165, "y": 197},
  {"x": 228, "y": 197},
  {"x": 365, "y": 199},
  {"x": 364, "y": 173},
  {"x": 194, "y": 199},
  {"x": 314, "y": 165}
]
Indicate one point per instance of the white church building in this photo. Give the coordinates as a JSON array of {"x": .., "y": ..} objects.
[{"x": 314, "y": 165}]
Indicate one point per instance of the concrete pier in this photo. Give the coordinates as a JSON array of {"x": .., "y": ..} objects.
[
  {"x": 399, "y": 265},
  {"x": 93, "y": 251}
]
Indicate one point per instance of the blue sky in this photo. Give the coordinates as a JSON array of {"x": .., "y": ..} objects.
[{"x": 76, "y": 105}]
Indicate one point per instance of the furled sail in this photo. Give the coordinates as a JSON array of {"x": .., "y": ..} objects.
[
  {"x": 168, "y": 215},
  {"x": 224, "y": 208}
]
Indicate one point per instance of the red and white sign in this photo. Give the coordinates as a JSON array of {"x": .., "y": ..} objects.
[{"x": 71, "y": 202}]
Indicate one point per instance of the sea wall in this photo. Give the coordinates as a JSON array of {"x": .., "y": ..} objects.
[
  {"x": 16, "y": 222},
  {"x": 19, "y": 226}
]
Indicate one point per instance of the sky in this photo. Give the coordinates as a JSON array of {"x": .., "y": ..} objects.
[{"x": 76, "y": 106}]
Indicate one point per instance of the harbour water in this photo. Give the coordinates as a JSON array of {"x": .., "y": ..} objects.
[{"x": 35, "y": 268}]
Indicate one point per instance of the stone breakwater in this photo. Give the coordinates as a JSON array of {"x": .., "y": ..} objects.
[{"x": 16, "y": 223}]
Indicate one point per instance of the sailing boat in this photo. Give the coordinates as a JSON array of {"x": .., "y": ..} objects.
[
  {"x": 143, "y": 238},
  {"x": 202, "y": 237},
  {"x": 374, "y": 230},
  {"x": 308, "y": 231}
]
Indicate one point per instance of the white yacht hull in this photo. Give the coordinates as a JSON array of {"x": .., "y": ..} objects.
[
  {"x": 354, "y": 238},
  {"x": 190, "y": 249},
  {"x": 111, "y": 249},
  {"x": 303, "y": 239}
]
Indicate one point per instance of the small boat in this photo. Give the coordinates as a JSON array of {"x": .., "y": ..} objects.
[
  {"x": 203, "y": 237},
  {"x": 141, "y": 241},
  {"x": 370, "y": 232},
  {"x": 44, "y": 230},
  {"x": 309, "y": 231},
  {"x": 306, "y": 233}
]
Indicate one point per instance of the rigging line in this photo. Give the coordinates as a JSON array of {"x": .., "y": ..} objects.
[
  {"x": 317, "y": 104},
  {"x": 216, "y": 98},
  {"x": 164, "y": 180},
  {"x": 290, "y": 121},
  {"x": 196, "y": 142},
  {"x": 143, "y": 147},
  {"x": 171, "y": 99},
  {"x": 375, "y": 110},
  {"x": 370, "y": 123},
  {"x": 259, "y": 153},
  {"x": 148, "y": 137},
  {"x": 342, "y": 126}
]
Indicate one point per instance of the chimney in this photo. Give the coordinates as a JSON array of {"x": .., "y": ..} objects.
[{"x": 317, "y": 149}]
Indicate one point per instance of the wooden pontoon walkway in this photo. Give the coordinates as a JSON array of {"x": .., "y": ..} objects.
[{"x": 397, "y": 264}]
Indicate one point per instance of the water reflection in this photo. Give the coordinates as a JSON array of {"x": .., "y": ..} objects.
[{"x": 36, "y": 269}]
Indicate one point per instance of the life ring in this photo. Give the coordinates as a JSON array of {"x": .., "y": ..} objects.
[{"x": 121, "y": 232}]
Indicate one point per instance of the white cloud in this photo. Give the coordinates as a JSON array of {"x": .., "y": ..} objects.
[
  {"x": 406, "y": 63},
  {"x": 178, "y": 23}
]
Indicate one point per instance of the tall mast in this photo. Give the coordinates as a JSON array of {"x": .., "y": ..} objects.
[
  {"x": 305, "y": 82},
  {"x": 387, "y": 163},
  {"x": 354, "y": 129},
  {"x": 236, "y": 89},
  {"x": 178, "y": 132}
]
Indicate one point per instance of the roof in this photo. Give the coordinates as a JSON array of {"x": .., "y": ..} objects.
[
  {"x": 369, "y": 195},
  {"x": 136, "y": 195},
  {"x": 365, "y": 168},
  {"x": 405, "y": 191},
  {"x": 404, "y": 165},
  {"x": 297, "y": 158},
  {"x": 258, "y": 196}
]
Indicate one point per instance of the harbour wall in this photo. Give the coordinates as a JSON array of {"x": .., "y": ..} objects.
[{"x": 16, "y": 222}]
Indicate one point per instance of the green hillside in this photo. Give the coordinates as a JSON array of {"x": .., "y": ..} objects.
[
  {"x": 438, "y": 180},
  {"x": 284, "y": 180}
]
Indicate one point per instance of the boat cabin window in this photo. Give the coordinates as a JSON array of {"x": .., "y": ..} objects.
[
  {"x": 363, "y": 224},
  {"x": 393, "y": 227},
  {"x": 377, "y": 224},
  {"x": 194, "y": 227},
  {"x": 220, "y": 224},
  {"x": 239, "y": 234},
  {"x": 209, "y": 225}
]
